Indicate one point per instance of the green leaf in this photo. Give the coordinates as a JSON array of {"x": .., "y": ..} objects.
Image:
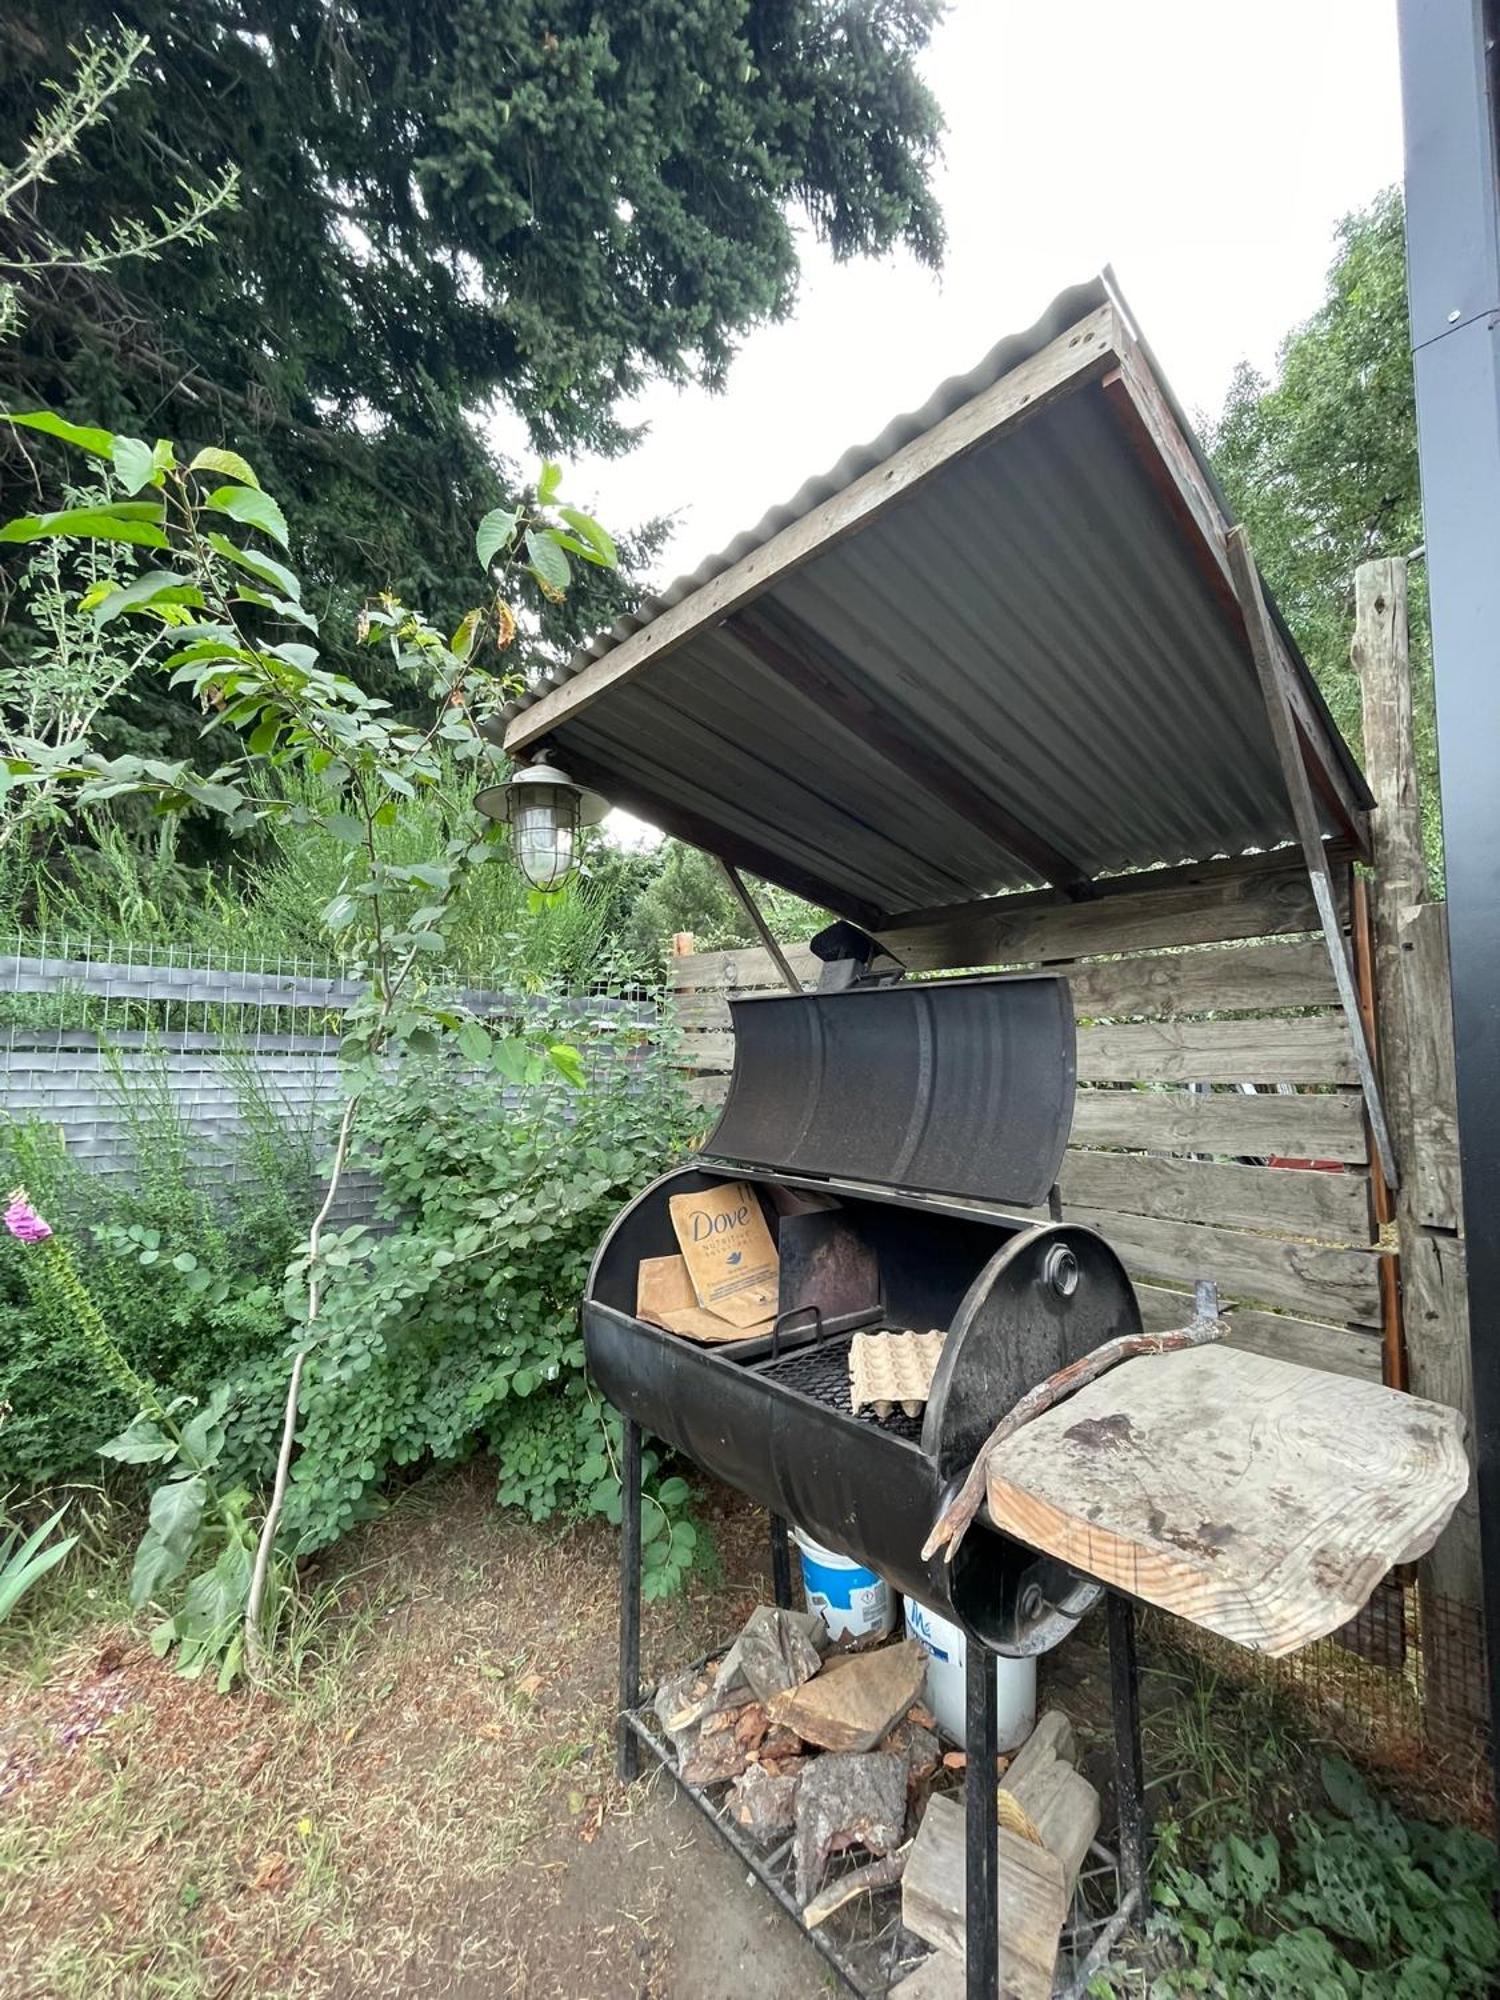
[
  {"x": 265, "y": 567},
  {"x": 99, "y": 443},
  {"x": 568, "y": 1063},
  {"x": 493, "y": 532},
  {"x": 122, "y": 522},
  {"x": 548, "y": 481},
  {"x": 550, "y": 566},
  {"x": 672, "y": 1492},
  {"x": 134, "y": 463},
  {"x": 252, "y": 509},
  {"x": 340, "y": 913},
  {"x": 474, "y": 1042},
  {"x": 228, "y": 464},
  {"x": 143, "y": 1442},
  {"x": 589, "y": 530},
  {"x": 176, "y": 1513},
  {"x": 463, "y": 638},
  {"x": 156, "y": 585}
]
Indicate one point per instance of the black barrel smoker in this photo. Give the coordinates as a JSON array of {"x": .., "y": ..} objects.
[{"x": 887, "y": 1130}]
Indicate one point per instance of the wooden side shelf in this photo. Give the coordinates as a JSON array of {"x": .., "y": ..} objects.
[{"x": 1259, "y": 1499}]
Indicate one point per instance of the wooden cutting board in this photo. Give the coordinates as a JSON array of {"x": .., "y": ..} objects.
[{"x": 1259, "y": 1499}]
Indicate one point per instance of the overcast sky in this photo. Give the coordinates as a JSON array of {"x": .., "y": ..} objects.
[{"x": 1205, "y": 150}]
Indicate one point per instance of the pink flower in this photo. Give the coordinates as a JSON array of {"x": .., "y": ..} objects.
[{"x": 23, "y": 1222}]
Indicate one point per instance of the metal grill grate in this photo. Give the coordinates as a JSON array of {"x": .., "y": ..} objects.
[{"x": 822, "y": 1372}]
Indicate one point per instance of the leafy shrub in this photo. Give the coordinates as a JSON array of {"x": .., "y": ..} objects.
[
  {"x": 1358, "y": 1901},
  {"x": 188, "y": 1286},
  {"x": 459, "y": 1328}
]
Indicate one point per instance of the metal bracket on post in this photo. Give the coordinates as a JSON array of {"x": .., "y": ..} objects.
[
  {"x": 1264, "y": 651},
  {"x": 763, "y": 930}
]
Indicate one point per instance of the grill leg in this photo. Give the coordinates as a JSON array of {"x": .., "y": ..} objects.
[
  {"x": 628, "y": 1750},
  {"x": 781, "y": 1564},
  {"x": 1130, "y": 1790},
  {"x": 982, "y": 1829}
]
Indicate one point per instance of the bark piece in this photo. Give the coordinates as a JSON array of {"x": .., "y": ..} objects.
[
  {"x": 779, "y": 1741},
  {"x": 854, "y": 1702},
  {"x": 764, "y": 1802},
  {"x": 864, "y": 1881},
  {"x": 776, "y": 1650},
  {"x": 849, "y": 1799},
  {"x": 715, "y": 1758}
]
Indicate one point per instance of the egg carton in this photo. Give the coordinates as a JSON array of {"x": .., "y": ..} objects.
[{"x": 891, "y": 1369}]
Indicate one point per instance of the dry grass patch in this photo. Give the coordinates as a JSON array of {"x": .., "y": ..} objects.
[{"x": 414, "y": 1805}]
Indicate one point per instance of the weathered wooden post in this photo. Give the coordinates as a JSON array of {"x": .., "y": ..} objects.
[{"x": 1416, "y": 1054}]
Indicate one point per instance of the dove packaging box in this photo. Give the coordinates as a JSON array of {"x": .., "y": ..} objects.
[{"x": 727, "y": 1248}]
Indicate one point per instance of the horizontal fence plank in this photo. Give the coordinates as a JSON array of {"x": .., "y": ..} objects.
[
  {"x": 1303, "y": 1125},
  {"x": 1335, "y": 1208},
  {"x": 746, "y": 969},
  {"x": 1221, "y": 980},
  {"x": 1253, "y": 896},
  {"x": 1310, "y": 1278},
  {"x": 1342, "y": 1350},
  {"x": 1313, "y": 1049},
  {"x": 1224, "y": 979}
]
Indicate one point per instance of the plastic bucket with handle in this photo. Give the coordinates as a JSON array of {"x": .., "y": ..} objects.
[
  {"x": 947, "y": 1651},
  {"x": 855, "y": 1603}
]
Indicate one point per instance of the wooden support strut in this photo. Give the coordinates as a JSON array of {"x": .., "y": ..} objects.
[
  {"x": 763, "y": 930},
  {"x": 1263, "y": 649}
]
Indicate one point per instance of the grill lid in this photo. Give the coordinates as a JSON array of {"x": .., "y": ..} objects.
[{"x": 955, "y": 1086}]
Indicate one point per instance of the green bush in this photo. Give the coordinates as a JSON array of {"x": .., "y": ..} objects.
[
  {"x": 188, "y": 1284},
  {"x": 459, "y": 1328}
]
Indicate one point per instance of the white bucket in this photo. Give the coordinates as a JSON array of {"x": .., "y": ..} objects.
[
  {"x": 855, "y": 1603},
  {"x": 947, "y": 1651}
]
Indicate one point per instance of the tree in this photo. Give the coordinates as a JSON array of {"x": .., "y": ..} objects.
[
  {"x": 449, "y": 208},
  {"x": 1321, "y": 464}
]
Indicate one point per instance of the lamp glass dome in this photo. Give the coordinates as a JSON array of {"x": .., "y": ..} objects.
[
  {"x": 544, "y": 833},
  {"x": 545, "y": 810}
]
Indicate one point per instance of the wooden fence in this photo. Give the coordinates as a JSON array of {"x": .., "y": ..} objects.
[
  {"x": 1207, "y": 1043},
  {"x": 1219, "y": 1130}
]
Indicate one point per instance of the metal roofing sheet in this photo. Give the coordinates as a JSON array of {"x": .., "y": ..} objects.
[{"x": 1032, "y": 614}]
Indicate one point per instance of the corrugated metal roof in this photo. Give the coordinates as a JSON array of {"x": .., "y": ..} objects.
[{"x": 1033, "y": 618}]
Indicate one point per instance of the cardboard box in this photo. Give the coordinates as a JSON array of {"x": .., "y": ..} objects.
[{"x": 728, "y": 1251}]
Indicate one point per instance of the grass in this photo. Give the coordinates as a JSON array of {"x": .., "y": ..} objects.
[{"x": 397, "y": 1811}]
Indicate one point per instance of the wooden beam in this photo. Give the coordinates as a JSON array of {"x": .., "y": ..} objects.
[
  {"x": 684, "y": 824},
  {"x": 1205, "y": 902},
  {"x": 1332, "y": 1208},
  {"x": 1322, "y": 1280},
  {"x": 761, "y": 928},
  {"x": 1263, "y": 645},
  {"x": 1342, "y": 1350},
  {"x": 1235, "y": 979},
  {"x": 1078, "y": 354},
  {"x": 1311, "y": 1050},
  {"x": 1145, "y": 418},
  {"x": 787, "y": 647}
]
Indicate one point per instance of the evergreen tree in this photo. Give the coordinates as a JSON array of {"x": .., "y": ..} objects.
[{"x": 445, "y": 208}]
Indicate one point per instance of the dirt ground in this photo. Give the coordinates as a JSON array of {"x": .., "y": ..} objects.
[{"x": 424, "y": 1803}]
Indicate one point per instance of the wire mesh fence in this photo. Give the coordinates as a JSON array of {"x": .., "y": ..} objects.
[
  {"x": 1402, "y": 1687},
  {"x": 94, "y": 1033}
]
